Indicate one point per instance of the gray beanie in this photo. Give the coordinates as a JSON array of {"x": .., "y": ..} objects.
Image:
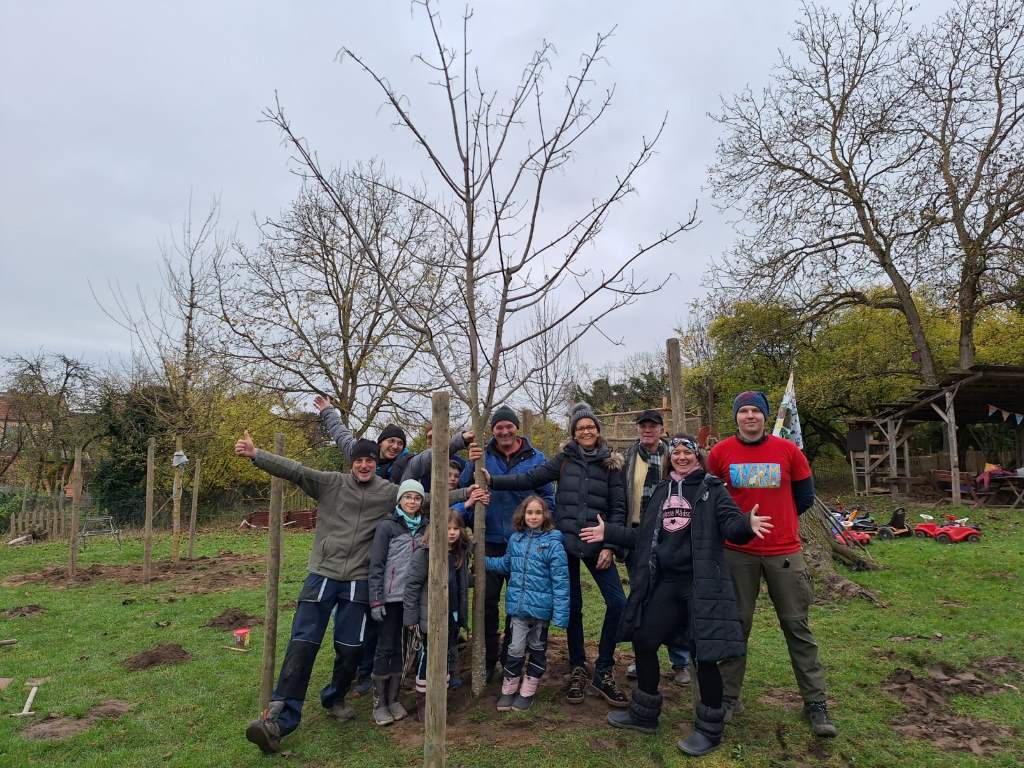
[
  {"x": 504, "y": 413},
  {"x": 582, "y": 411}
]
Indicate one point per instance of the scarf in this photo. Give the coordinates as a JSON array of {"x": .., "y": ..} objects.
[
  {"x": 644, "y": 481},
  {"x": 412, "y": 523}
]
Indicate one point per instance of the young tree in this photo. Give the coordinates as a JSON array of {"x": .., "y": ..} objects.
[{"x": 496, "y": 245}]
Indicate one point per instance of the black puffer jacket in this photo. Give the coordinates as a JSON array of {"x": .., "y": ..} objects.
[
  {"x": 588, "y": 486},
  {"x": 715, "y": 627}
]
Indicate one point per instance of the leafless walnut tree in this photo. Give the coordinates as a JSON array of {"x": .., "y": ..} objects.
[{"x": 490, "y": 174}]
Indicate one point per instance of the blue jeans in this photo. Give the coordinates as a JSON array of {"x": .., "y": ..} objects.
[
  {"x": 678, "y": 657},
  {"x": 319, "y": 598},
  {"x": 614, "y": 603}
]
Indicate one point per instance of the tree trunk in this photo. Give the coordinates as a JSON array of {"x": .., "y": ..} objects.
[{"x": 822, "y": 551}]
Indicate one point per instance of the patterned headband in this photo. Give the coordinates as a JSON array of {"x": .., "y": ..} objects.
[{"x": 675, "y": 442}]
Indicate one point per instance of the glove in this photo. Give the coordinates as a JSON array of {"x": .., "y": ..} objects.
[{"x": 377, "y": 612}]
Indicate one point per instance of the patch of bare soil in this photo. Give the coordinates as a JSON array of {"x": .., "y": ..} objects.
[
  {"x": 165, "y": 653},
  {"x": 55, "y": 727},
  {"x": 21, "y": 611},
  {"x": 782, "y": 697},
  {"x": 226, "y": 570},
  {"x": 233, "y": 618},
  {"x": 926, "y": 699}
]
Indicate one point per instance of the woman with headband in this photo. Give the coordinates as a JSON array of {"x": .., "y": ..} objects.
[{"x": 681, "y": 591}]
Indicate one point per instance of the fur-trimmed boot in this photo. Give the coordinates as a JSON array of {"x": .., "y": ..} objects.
[
  {"x": 509, "y": 688},
  {"x": 527, "y": 690},
  {"x": 381, "y": 700},
  {"x": 707, "y": 731},
  {"x": 394, "y": 689},
  {"x": 642, "y": 715}
]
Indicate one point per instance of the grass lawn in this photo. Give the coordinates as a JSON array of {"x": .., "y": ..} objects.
[{"x": 193, "y": 713}]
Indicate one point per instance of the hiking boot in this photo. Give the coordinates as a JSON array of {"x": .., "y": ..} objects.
[
  {"x": 821, "y": 724},
  {"x": 265, "y": 734},
  {"x": 526, "y": 693},
  {"x": 509, "y": 688},
  {"x": 577, "y": 685},
  {"x": 642, "y": 715},
  {"x": 362, "y": 688},
  {"x": 631, "y": 672},
  {"x": 732, "y": 707},
  {"x": 707, "y": 732},
  {"x": 394, "y": 705},
  {"x": 604, "y": 685},
  {"x": 381, "y": 711},
  {"x": 341, "y": 712},
  {"x": 682, "y": 675}
]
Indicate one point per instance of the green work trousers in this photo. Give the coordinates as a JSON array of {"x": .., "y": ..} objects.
[{"x": 791, "y": 592}]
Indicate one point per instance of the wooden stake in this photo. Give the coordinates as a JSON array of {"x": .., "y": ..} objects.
[
  {"x": 675, "y": 385},
  {"x": 147, "y": 536},
  {"x": 194, "y": 512},
  {"x": 479, "y": 657},
  {"x": 954, "y": 452},
  {"x": 76, "y": 503},
  {"x": 176, "y": 507},
  {"x": 274, "y": 580},
  {"x": 437, "y": 591}
]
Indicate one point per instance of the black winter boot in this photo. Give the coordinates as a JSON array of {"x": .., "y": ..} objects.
[
  {"x": 707, "y": 731},
  {"x": 381, "y": 700},
  {"x": 642, "y": 715}
]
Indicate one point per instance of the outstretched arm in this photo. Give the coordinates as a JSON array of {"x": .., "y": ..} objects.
[
  {"x": 312, "y": 481},
  {"x": 330, "y": 418},
  {"x": 537, "y": 477}
]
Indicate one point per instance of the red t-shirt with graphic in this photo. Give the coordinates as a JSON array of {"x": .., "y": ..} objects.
[{"x": 763, "y": 474}]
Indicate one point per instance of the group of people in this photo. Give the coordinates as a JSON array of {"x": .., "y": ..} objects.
[{"x": 697, "y": 533}]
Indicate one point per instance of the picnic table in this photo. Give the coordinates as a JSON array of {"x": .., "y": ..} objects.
[{"x": 1009, "y": 486}]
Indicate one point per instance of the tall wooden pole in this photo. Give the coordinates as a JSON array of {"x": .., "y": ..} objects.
[
  {"x": 147, "y": 536},
  {"x": 437, "y": 591},
  {"x": 954, "y": 452},
  {"x": 194, "y": 512},
  {"x": 675, "y": 385},
  {"x": 176, "y": 507},
  {"x": 76, "y": 505},
  {"x": 273, "y": 581}
]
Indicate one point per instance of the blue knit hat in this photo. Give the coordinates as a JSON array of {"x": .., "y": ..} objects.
[{"x": 751, "y": 397}]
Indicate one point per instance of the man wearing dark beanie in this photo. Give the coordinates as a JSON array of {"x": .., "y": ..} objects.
[
  {"x": 771, "y": 474},
  {"x": 349, "y": 507}
]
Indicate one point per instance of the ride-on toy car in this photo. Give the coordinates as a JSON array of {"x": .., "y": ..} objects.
[
  {"x": 953, "y": 531},
  {"x": 897, "y": 525}
]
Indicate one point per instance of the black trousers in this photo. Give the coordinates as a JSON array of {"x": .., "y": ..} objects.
[
  {"x": 494, "y": 643},
  {"x": 666, "y": 614},
  {"x": 389, "y": 657}
]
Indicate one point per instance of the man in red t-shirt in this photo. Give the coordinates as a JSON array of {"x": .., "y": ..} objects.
[{"x": 771, "y": 475}]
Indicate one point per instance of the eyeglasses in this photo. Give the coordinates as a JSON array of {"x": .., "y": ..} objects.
[{"x": 586, "y": 429}]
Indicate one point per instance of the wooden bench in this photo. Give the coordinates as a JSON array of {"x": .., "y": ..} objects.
[{"x": 942, "y": 481}]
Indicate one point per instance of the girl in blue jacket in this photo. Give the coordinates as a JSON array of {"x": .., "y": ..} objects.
[{"x": 537, "y": 595}]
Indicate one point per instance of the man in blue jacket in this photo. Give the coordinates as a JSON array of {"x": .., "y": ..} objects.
[{"x": 506, "y": 453}]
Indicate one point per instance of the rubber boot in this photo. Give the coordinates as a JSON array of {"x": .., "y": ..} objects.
[
  {"x": 265, "y": 733},
  {"x": 381, "y": 691},
  {"x": 707, "y": 731},
  {"x": 394, "y": 689},
  {"x": 509, "y": 688},
  {"x": 642, "y": 715},
  {"x": 527, "y": 691}
]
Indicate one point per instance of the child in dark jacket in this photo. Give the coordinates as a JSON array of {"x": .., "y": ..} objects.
[
  {"x": 680, "y": 588},
  {"x": 537, "y": 595},
  {"x": 395, "y": 544},
  {"x": 415, "y": 603}
]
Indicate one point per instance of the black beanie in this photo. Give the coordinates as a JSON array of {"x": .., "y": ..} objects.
[
  {"x": 504, "y": 413},
  {"x": 392, "y": 430},
  {"x": 365, "y": 449}
]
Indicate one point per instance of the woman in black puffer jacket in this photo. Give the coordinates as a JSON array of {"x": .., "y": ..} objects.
[{"x": 590, "y": 483}]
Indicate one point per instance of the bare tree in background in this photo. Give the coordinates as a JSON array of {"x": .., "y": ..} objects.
[
  {"x": 698, "y": 352},
  {"x": 306, "y": 312},
  {"x": 491, "y": 175},
  {"x": 553, "y": 362}
]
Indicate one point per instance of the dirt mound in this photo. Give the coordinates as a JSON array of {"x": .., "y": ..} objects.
[
  {"x": 782, "y": 697},
  {"x": 233, "y": 618},
  {"x": 165, "y": 653},
  {"x": 926, "y": 699},
  {"x": 226, "y": 570},
  {"x": 55, "y": 727},
  {"x": 21, "y": 611}
]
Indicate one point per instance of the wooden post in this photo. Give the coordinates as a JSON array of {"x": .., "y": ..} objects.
[
  {"x": 195, "y": 510},
  {"x": 675, "y": 386},
  {"x": 76, "y": 501},
  {"x": 274, "y": 578},
  {"x": 853, "y": 471},
  {"x": 62, "y": 522},
  {"x": 437, "y": 591},
  {"x": 954, "y": 458},
  {"x": 147, "y": 535},
  {"x": 176, "y": 507},
  {"x": 526, "y": 422}
]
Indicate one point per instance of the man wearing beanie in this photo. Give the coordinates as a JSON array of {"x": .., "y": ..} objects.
[
  {"x": 349, "y": 507},
  {"x": 506, "y": 453},
  {"x": 772, "y": 474}
]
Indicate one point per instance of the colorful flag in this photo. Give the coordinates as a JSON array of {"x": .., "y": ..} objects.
[{"x": 787, "y": 424}]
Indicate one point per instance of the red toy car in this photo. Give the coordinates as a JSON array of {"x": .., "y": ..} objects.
[
  {"x": 953, "y": 531},
  {"x": 850, "y": 537}
]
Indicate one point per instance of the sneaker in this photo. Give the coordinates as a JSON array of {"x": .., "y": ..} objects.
[
  {"x": 732, "y": 707},
  {"x": 341, "y": 712},
  {"x": 265, "y": 734},
  {"x": 603, "y": 684},
  {"x": 821, "y": 724},
  {"x": 577, "y": 685},
  {"x": 631, "y": 672},
  {"x": 682, "y": 675}
]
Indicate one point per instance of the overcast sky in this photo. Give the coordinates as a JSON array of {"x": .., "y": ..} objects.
[{"x": 113, "y": 113}]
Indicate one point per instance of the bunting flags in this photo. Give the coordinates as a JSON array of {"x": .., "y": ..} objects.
[
  {"x": 1005, "y": 414},
  {"x": 787, "y": 425}
]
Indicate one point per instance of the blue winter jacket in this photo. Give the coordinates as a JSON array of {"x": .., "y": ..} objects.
[
  {"x": 504, "y": 503},
  {"x": 538, "y": 576}
]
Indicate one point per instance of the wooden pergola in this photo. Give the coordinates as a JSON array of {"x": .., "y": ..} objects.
[{"x": 963, "y": 397}]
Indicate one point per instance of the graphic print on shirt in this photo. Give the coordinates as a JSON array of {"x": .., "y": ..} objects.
[
  {"x": 676, "y": 514},
  {"x": 755, "y": 475}
]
